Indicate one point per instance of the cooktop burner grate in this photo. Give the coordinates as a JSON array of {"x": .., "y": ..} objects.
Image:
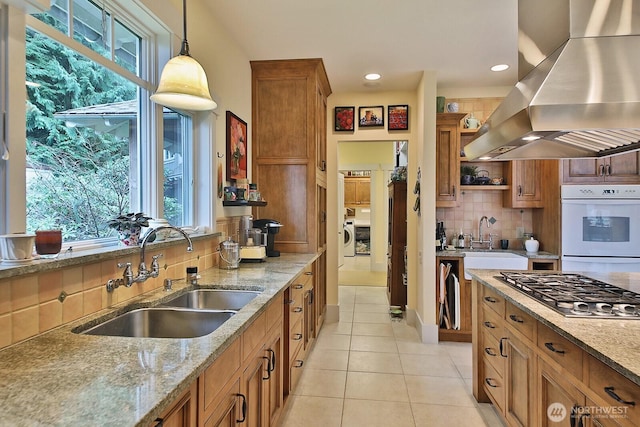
[{"x": 575, "y": 295}]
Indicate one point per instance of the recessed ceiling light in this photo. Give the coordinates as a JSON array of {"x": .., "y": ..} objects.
[
  {"x": 499, "y": 67},
  {"x": 372, "y": 76}
]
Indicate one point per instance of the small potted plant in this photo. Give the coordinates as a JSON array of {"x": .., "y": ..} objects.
[
  {"x": 468, "y": 174},
  {"x": 129, "y": 227}
]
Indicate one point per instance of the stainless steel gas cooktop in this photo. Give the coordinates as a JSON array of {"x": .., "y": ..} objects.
[{"x": 575, "y": 295}]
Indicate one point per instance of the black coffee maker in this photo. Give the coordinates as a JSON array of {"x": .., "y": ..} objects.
[{"x": 271, "y": 227}]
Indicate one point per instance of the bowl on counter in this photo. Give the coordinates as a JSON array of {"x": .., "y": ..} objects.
[{"x": 17, "y": 247}]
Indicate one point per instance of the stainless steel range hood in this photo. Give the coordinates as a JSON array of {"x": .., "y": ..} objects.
[{"x": 579, "y": 88}]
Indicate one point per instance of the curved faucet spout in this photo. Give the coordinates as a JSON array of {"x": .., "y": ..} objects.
[{"x": 142, "y": 270}]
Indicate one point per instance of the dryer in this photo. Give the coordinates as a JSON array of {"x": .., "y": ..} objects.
[{"x": 349, "y": 238}]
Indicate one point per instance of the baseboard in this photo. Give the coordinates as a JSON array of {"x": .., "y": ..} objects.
[
  {"x": 332, "y": 315},
  {"x": 428, "y": 332}
]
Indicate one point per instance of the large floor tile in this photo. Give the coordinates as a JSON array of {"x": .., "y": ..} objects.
[
  {"x": 375, "y": 386},
  {"x": 368, "y": 361},
  {"x": 445, "y": 416},
  {"x": 372, "y": 329},
  {"x": 404, "y": 332},
  {"x": 328, "y": 359},
  {"x": 435, "y": 365},
  {"x": 311, "y": 411},
  {"x": 371, "y": 318},
  {"x": 371, "y": 308},
  {"x": 411, "y": 347},
  {"x": 438, "y": 391},
  {"x": 322, "y": 383},
  {"x": 333, "y": 342},
  {"x": 369, "y": 413},
  {"x": 341, "y": 327},
  {"x": 379, "y": 344}
]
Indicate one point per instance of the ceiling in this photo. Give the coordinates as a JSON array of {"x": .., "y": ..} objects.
[{"x": 459, "y": 39}]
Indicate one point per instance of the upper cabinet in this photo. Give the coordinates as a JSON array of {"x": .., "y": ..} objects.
[
  {"x": 357, "y": 192},
  {"x": 619, "y": 169},
  {"x": 448, "y": 159},
  {"x": 525, "y": 184},
  {"x": 289, "y": 114}
]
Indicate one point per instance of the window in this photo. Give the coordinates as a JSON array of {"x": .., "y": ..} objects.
[{"x": 87, "y": 143}]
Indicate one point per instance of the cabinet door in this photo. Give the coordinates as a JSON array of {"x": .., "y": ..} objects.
[
  {"x": 363, "y": 191},
  {"x": 447, "y": 166},
  {"x": 520, "y": 381},
  {"x": 623, "y": 168},
  {"x": 183, "y": 411},
  {"x": 231, "y": 410},
  {"x": 582, "y": 170},
  {"x": 321, "y": 131},
  {"x": 320, "y": 289},
  {"x": 252, "y": 387},
  {"x": 273, "y": 394},
  {"x": 525, "y": 184},
  {"x": 560, "y": 401},
  {"x": 349, "y": 192}
]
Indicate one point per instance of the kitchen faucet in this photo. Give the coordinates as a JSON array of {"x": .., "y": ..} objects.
[
  {"x": 480, "y": 236},
  {"x": 143, "y": 272}
]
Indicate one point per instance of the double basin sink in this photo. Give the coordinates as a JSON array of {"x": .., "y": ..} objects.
[
  {"x": 192, "y": 314},
  {"x": 493, "y": 260}
]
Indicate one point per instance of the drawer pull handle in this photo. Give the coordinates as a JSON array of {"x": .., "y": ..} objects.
[
  {"x": 308, "y": 273},
  {"x": 489, "y": 325},
  {"x": 289, "y": 301},
  {"x": 297, "y": 337},
  {"x": 550, "y": 346},
  {"x": 273, "y": 360},
  {"x": 614, "y": 396},
  {"x": 491, "y": 300},
  {"x": 268, "y": 359},
  {"x": 298, "y": 286},
  {"x": 298, "y": 363},
  {"x": 244, "y": 407},
  {"x": 502, "y": 346},
  {"x": 516, "y": 318},
  {"x": 490, "y": 383},
  {"x": 297, "y": 310},
  {"x": 489, "y": 351}
]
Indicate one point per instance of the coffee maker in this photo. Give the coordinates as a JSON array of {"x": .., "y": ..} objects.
[
  {"x": 253, "y": 241},
  {"x": 271, "y": 227}
]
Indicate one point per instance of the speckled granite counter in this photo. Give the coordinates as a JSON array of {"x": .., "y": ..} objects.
[
  {"x": 612, "y": 341},
  {"x": 462, "y": 253},
  {"x": 65, "y": 379}
]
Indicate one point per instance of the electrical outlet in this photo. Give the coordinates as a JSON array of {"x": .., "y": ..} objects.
[{"x": 519, "y": 232}]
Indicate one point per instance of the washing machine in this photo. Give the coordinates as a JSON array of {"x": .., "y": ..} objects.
[{"x": 349, "y": 238}]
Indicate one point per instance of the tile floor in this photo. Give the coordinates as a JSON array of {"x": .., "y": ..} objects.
[{"x": 370, "y": 370}]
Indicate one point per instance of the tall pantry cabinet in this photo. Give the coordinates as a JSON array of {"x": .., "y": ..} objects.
[
  {"x": 397, "y": 241},
  {"x": 289, "y": 137}
]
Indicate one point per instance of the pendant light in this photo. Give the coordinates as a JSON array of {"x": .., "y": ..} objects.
[{"x": 183, "y": 83}]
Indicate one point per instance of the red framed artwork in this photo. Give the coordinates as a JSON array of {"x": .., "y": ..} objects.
[
  {"x": 398, "y": 117},
  {"x": 237, "y": 147},
  {"x": 344, "y": 119}
]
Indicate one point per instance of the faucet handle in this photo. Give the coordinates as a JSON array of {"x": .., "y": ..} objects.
[
  {"x": 155, "y": 266},
  {"x": 127, "y": 274}
]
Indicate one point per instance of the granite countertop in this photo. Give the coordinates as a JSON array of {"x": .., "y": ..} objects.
[
  {"x": 462, "y": 253},
  {"x": 616, "y": 342},
  {"x": 62, "y": 378}
]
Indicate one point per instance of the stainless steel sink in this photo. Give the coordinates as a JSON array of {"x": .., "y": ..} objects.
[
  {"x": 162, "y": 322},
  {"x": 213, "y": 299}
]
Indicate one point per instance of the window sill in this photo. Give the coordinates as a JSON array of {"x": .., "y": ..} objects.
[{"x": 91, "y": 255}]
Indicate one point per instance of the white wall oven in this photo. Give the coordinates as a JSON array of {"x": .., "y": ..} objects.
[{"x": 601, "y": 228}]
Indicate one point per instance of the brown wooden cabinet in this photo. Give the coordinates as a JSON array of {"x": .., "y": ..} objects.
[
  {"x": 448, "y": 159},
  {"x": 397, "y": 242},
  {"x": 357, "y": 192},
  {"x": 184, "y": 410},
  {"x": 523, "y": 177},
  {"x": 519, "y": 380},
  {"x": 289, "y": 113},
  {"x": 463, "y": 334},
  {"x": 619, "y": 169}
]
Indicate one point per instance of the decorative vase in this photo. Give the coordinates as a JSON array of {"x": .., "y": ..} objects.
[{"x": 129, "y": 236}]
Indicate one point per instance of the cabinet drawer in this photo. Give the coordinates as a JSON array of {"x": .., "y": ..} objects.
[
  {"x": 520, "y": 321},
  {"x": 296, "y": 338},
  {"x": 492, "y": 324},
  {"x": 225, "y": 412},
  {"x": 491, "y": 352},
  {"x": 493, "y": 384},
  {"x": 295, "y": 369},
  {"x": 254, "y": 336},
  {"x": 616, "y": 391},
  {"x": 563, "y": 352},
  {"x": 218, "y": 373},
  {"x": 493, "y": 300}
]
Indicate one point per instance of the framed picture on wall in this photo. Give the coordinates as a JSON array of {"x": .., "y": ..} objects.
[
  {"x": 398, "y": 117},
  {"x": 371, "y": 116},
  {"x": 344, "y": 119},
  {"x": 237, "y": 147}
]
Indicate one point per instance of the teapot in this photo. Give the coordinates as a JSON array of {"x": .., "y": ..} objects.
[
  {"x": 471, "y": 122},
  {"x": 229, "y": 254}
]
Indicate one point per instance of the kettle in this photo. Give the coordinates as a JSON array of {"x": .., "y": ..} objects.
[
  {"x": 229, "y": 254},
  {"x": 471, "y": 122}
]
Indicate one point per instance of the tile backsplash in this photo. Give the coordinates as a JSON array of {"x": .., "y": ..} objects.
[{"x": 31, "y": 304}]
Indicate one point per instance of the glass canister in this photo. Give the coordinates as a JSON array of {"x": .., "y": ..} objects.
[{"x": 229, "y": 254}]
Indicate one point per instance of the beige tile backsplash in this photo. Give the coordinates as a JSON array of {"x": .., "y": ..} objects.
[{"x": 29, "y": 304}]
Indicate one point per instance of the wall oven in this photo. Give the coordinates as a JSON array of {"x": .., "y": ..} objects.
[{"x": 601, "y": 228}]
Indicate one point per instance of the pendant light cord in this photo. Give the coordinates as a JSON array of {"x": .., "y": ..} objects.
[{"x": 184, "y": 50}]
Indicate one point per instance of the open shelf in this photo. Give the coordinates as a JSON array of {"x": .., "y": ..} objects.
[{"x": 243, "y": 203}]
